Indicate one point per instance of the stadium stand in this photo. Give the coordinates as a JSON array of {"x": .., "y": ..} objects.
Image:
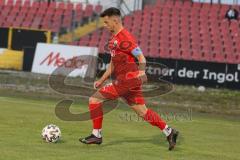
[
  {"x": 41, "y": 15},
  {"x": 180, "y": 30}
]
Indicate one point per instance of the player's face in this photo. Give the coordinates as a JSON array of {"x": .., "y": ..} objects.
[{"x": 109, "y": 23}]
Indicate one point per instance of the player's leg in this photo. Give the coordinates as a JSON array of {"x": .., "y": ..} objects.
[
  {"x": 136, "y": 101},
  {"x": 155, "y": 120},
  {"x": 96, "y": 113}
]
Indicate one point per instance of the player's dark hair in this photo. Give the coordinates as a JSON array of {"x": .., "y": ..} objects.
[{"x": 111, "y": 12}]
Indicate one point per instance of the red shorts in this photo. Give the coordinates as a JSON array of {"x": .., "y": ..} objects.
[{"x": 129, "y": 90}]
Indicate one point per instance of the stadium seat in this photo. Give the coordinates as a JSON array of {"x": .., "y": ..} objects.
[
  {"x": 2, "y": 3},
  {"x": 26, "y": 24},
  {"x": 88, "y": 11},
  {"x": 61, "y": 6},
  {"x": 27, "y": 4},
  {"x": 223, "y": 10},
  {"x": 18, "y": 3},
  {"x": 178, "y": 4},
  {"x": 83, "y": 43},
  {"x": 35, "y": 5},
  {"x": 52, "y": 5},
  {"x": 10, "y": 3},
  {"x": 70, "y": 6},
  {"x": 79, "y": 7},
  {"x": 169, "y": 4},
  {"x": 197, "y": 6},
  {"x": 231, "y": 58},
  {"x": 164, "y": 53},
  {"x": 187, "y": 4},
  {"x": 196, "y": 55},
  {"x": 98, "y": 9},
  {"x": 206, "y": 6},
  {"x": 17, "y": 24}
]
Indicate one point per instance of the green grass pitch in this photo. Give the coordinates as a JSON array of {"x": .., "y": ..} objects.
[{"x": 205, "y": 137}]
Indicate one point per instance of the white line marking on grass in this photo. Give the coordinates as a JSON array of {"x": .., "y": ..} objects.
[{"x": 5, "y": 99}]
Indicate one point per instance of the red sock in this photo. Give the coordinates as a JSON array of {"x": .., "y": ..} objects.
[
  {"x": 96, "y": 114},
  {"x": 154, "y": 119}
]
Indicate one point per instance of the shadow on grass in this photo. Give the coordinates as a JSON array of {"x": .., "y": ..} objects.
[
  {"x": 158, "y": 140},
  {"x": 59, "y": 142}
]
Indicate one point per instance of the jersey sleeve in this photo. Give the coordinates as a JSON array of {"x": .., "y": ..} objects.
[
  {"x": 131, "y": 46},
  {"x": 134, "y": 49}
]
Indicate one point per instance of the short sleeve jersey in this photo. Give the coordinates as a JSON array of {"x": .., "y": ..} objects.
[{"x": 122, "y": 48}]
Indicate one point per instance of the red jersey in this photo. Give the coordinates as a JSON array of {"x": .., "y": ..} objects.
[{"x": 121, "y": 48}]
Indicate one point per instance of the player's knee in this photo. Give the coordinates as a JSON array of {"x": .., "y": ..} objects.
[
  {"x": 141, "y": 110},
  {"x": 94, "y": 100},
  {"x": 141, "y": 114}
]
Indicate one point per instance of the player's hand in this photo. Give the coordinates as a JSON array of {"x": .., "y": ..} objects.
[{"x": 97, "y": 84}]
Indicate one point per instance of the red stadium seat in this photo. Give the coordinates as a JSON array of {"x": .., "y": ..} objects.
[
  {"x": 11, "y": 18},
  {"x": 234, "y": 26},
  {"x": 215, "y": 8},
  {"x": 231, "y": 58},
  {"x": 178, "y": 4},
  {"x": 26, "y": 24},
  {"x": 196, "y": 55},
  {"x": 145, "y": 51},
  {"x": 14, "y": 12},
  {"x": 61, "y": 6},
  {"x": 70, "y": 6},
  {"x": 83, "y": 43},
  {"x": 169, "y": 3},
  {"x": 43, "y": 5},
  {"x": 164, "y": 53},
  {"x": 196, "y": 6},
  {"x": 93, "y": 43},
  {"x": 206, "y": 56},
  {"x": 98, "y": 9},
  {"x": 158, "y": 4},
  {"x": 18, "y": 3},
  {"x": 53, "y": 5},
  {"x": 187, "y": 4},
  {"x": 2, "y": 2},
  {"x": 206, "y": 6},
  {"x": 218, "y": 57},
  {"x": 223, "y": 10},
  {"x": 17, "y": 23},
  {"x": 26, "y": 3},
  {"x": 186, "y": 54},
  {"x": 88, "y": 10},
  {"x": 237, "y": 59},
  {"x": 35, "y": 5},
  {"x": 102, "y": 48},
  {"x": 79, "y": 7},
  {"x": 10, "y": 3},
  {"x": 175, "y": 53}
]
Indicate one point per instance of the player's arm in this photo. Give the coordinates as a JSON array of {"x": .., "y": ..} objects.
[
  {"x": 142, "y": 63},
  {"x": 137, "y": 52},
  {"x": 108, "y": 72},
  {"x": 105, "y": 76}
]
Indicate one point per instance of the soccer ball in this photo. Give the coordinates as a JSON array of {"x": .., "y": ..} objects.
[{"x": 51, "y": 133}]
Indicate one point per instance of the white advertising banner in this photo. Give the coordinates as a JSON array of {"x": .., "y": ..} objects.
[{"x": 49, "y": 57}]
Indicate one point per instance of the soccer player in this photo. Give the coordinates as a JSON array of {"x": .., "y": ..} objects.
[{"x": 127, "y": 85}]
